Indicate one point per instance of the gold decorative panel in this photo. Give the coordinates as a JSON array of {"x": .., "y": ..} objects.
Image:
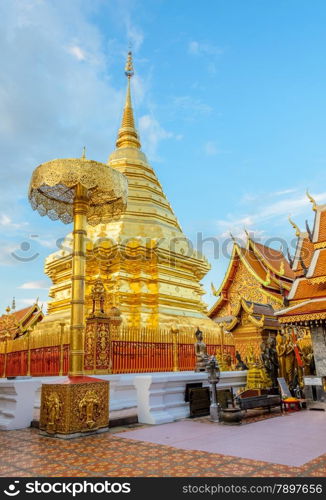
[{"x": 80, "y": 405}]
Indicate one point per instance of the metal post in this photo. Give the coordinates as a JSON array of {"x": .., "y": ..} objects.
[
  {"x": 213, "y": 378},
  {"x": 214, "y": 404},
  {"x": 175, "y": 332},
  {"x": 80, "y": 208},
  {"x": 62, "y": 327},
  {"x": 29, "y": 354}
]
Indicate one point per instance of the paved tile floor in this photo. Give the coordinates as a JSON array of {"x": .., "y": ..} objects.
[
  {"x": 292, "y": 439},
  {"x": 26, "y": 453}
]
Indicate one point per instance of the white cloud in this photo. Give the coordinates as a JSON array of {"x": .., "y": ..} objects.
[
  {"x": 285, "y": 191},
  {"x": 6, "y": 251},
  {"x": 77, "y": 52},
  {"x": 275, "y": 213},
  {"x": 198, "y": 48},
  {"x": 210, "y": 148},
  {"x": 190, "y": 104},
  {"x": 134, "y": 35},
  {"x": 48, "y": 99},
  {"x": 7, "y": 222},
  {"x": 152, "y": 133},
  {"x": 35, "y": 285}
]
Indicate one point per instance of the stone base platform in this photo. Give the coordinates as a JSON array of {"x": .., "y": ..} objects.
[{"x": 159, "y": 397}]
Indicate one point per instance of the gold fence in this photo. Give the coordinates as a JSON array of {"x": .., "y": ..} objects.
[{"x": 130, "y": 350}]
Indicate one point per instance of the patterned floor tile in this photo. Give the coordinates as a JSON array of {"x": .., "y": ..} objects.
[{"x": 26, "y": 453}]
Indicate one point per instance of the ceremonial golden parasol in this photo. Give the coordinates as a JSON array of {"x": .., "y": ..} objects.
[{"x": 84, "y": 192}]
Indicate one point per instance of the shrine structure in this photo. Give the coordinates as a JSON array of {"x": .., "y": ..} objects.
[
  {"x": 306, "y": 302},
  {"x": 16, "y": 323},
  {"x": 257, "y": 281}
]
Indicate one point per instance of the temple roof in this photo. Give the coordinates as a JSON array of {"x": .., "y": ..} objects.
[
  {"x": 307, "y": 297},
  {"x": 269, "y": 267},
  {"x": 260, "y": 315},
  {"x": 16, "y": 323}
]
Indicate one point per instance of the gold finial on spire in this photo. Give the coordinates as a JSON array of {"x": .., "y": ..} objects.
[
  {"x": 129, "y": 68},
  {"x": 312, "y": 200},
  {"x": 127, "y": 135},
  {"x": 293, "y": 224},
  {"x": 84, "y": 153}
]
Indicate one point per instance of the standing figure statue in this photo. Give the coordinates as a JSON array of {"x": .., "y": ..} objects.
[
  {"x": 264, "y": 356},
  {"x": 289, "y": 359},
  {"x": 280, "y": 350},
  {"x": 202, "y": 357},
  {"x": 273, "y": 361}
]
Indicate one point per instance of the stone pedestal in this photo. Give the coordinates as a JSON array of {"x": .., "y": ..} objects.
[{"x": 77, "y": 407}]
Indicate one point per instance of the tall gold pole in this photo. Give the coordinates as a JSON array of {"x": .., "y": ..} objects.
[
  {"x": 62, "y": 327},
  {"x": 175, "y": 331},
  {"x": 80, "y": 209},
  {"x": 29, "y": 354}
]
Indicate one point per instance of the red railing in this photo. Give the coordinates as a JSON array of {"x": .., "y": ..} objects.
[
  {"x": 153, "y": 352},
  {"x": 140, "y": 357}
]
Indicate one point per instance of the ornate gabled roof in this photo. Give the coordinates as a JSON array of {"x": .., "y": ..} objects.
[
  {"x": 17, "y": 323},
  {"x": 308, "y": 293},
  {"x": 260, "y": 315},
  {"x": 269, "y": 267},
  {"x": 273, "y": 260}
]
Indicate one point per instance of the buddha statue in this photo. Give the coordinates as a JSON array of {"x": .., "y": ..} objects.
[{"x": 202, "y": 357}]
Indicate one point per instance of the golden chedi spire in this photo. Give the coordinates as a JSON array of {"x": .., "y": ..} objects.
[
  {"x": 149, "y": 268},
  {"x": 127, "y": 135}
]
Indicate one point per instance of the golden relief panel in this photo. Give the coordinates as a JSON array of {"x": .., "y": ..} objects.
[{"x": 73, "y": 408}]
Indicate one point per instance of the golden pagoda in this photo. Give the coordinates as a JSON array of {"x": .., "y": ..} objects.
[{"x": 149, "y": 269}]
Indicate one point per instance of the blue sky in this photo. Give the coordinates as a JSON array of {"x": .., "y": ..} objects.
[{"x": 229, "y": 98}]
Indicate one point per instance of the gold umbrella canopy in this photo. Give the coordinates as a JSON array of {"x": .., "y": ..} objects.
[{"x": 53, "y": 184}]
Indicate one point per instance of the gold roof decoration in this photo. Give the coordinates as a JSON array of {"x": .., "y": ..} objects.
[
  {"x": 294, "y": 225},
  {"x": 52, "y": 189},
  {"x": 312, "y": 200},
  {"x": 129, "y": 68},
  {"x": 127, "y": 135}
]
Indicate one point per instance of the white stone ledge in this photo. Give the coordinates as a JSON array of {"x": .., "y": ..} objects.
[
  {"x": 158, "y": 396},
  {"x": 161, "y": 396}
]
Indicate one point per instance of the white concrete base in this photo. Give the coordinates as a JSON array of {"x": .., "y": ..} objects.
[
  {"x": 122, "y": 390},
  {"x": 17, "y": 402},
  {"x": 158, "y": 396},
  {"x": 161, "y": 396}
]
